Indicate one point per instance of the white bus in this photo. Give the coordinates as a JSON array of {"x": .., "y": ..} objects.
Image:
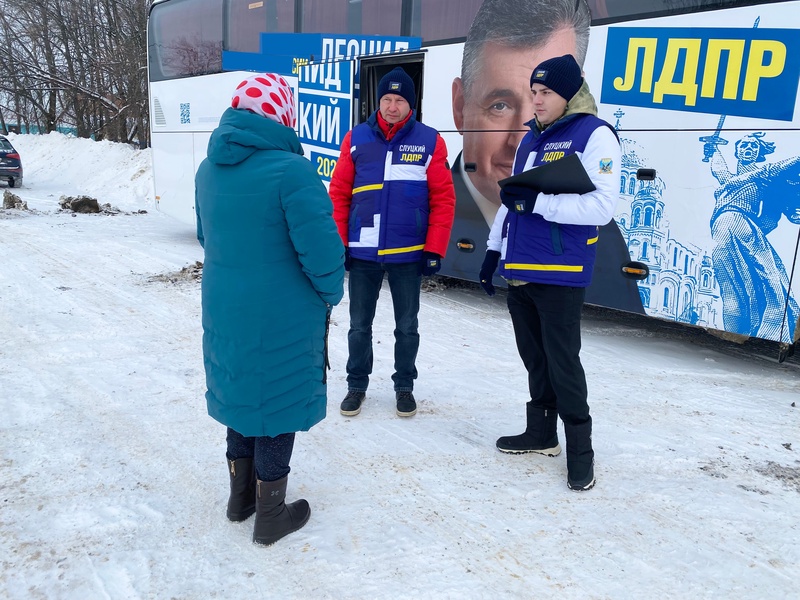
[{"x": 703, "y": 94}]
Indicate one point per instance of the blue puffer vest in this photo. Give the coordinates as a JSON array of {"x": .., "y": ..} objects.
[
  {"x": 542, "y": 251},
  {"x": 389, "y": 210}
]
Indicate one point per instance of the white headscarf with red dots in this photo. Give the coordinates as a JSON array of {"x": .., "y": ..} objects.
[{"x": 268, "y": 95}]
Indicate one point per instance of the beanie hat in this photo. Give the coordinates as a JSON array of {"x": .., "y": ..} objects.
[
  {"x": 562, "y": 75},
  {"x": 268, "y": 95},
  {"x": 398, "y": 82}
]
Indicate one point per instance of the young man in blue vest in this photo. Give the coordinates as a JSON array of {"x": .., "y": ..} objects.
[
  {"x": 393, "y": 202},
  {"x": 545, "y": 246}
]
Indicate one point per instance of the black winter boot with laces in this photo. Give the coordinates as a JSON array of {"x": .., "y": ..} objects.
[
  {"x": 406, "y": 405},
  {"x": 351, "y": 405}
]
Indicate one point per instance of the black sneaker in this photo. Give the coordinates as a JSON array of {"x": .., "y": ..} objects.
[
  {"x": 351, "y": 405},
  {"x": 406, "y": 405}
]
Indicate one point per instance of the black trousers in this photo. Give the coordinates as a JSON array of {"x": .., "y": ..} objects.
[
  {"x": 547, "y": 328},
  {"x": 271, "y": 455}
]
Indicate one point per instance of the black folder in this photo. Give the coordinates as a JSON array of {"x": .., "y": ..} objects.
[{"x": 563, "y": 176}]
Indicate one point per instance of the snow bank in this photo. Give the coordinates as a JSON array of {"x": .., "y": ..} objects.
[{"x": 110, "y": 172}]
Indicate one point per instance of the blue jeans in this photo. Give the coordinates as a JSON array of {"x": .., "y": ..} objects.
[{"x": 364, "y": 286}]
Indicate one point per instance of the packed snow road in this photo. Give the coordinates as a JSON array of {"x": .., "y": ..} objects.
[{"x": 113, "y": 479}]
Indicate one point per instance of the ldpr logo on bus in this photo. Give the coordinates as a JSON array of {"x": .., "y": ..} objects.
[{"x": 711, "y": 70}]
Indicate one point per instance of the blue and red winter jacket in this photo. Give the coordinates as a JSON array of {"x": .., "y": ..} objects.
[{"x": 392, "y": 191}]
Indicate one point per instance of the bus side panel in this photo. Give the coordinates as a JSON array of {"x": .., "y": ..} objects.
[
  {"x": 718, "y": 227},
  {"x": 470, "y": 232},
  {"x": 184, "y": 112},
  {"x": 173, "y": 172}
]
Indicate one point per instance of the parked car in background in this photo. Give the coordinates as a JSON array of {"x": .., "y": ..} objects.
[{"x": 10, "y": 164}]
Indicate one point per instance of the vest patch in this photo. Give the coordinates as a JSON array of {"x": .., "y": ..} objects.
[
  {"x": 557, "y": 146},
  {"x": 551, "y": 156}
]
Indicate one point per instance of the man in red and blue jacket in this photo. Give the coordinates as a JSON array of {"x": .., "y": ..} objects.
[
  {"x": 545, "y": 246},
  {"x": 394, "y": 203}
]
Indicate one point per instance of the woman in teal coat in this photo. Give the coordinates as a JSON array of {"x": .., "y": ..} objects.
[{"x": 274, "y": 268}]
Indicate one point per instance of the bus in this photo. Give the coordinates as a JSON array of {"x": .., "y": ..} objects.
[{"x": 702, "y": 94}]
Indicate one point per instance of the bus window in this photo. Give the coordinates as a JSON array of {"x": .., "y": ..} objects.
[
  {"x": 185, "y": 39},
  {"x": 614, "y": 10},
  {"x": 381, "y": 17},
  {"x": 434, "y": 20},
  {"x": 368, "y": 17},
  {"x": 598, "y": 9},
  {"x": 247, "y": 19}
]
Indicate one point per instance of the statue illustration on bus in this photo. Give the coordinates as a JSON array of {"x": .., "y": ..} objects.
[{"x": 750, "y": 201}]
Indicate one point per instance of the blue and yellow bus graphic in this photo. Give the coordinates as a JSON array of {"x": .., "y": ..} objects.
[
  {"x": 324, "y": 106},
  {"x": 287, "y": 53},
  {"x": 744, "y": 72}
]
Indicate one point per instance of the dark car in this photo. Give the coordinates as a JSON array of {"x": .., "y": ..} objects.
[{"x": 10, "y": 164}]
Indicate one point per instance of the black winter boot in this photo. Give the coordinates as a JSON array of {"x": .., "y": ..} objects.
[
  {"x": 242, "y": 501},
  {"x": 406, "y": 404},
  {"x": 580, "y": 456},
  {"x": 351, "y": 405},
  {"x": 275, "y": 518},
  {"x": 541, "y": 434}
]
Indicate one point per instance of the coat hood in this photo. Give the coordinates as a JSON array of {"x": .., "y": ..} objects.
[
  {"x": 241, "y": 133},
  {"x": 582, "y": 103}
]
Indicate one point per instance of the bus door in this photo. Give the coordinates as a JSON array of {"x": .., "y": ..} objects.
[{"x": 370, "y": 72}]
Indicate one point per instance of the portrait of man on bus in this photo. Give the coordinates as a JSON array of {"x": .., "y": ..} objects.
[
  {"x": 492, "y": 98},
  {"x": 491, "y": 102}
]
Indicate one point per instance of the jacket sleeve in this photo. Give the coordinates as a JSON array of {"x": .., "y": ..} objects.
[
  {"x": 441, "y": 200},
  {"x": 309, "y": 213},
  {"x": 597, "y": 207},
  {"x": 495, "y": 241},
  {"x": 341, "y": 188}
]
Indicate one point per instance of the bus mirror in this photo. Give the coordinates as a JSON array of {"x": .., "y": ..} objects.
[
  {"x": 646, "y": 174},
  {"x": 637, "y": 271},
  {"x": 470, "y": 167}
]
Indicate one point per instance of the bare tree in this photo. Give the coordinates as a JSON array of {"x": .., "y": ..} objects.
[{"x": 77, "y": 65}]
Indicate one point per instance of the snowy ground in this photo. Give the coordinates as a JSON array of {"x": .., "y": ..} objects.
[{"x": 113, "y": 479}]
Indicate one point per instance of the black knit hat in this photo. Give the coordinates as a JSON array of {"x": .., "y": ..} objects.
[
  {"x": 398, "y": 82},
  {"x": 562, "y": 75}
]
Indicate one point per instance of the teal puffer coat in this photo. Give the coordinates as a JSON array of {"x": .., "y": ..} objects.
[{"x": 274, "y": 267}]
